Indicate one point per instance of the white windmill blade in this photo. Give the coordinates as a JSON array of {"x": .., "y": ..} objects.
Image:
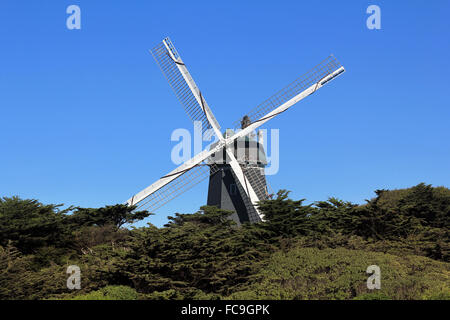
[
  {"x": 177, "y": 186},
  {"x": 184, "y": 86},
  {"x": 174, "y": 189},
  {"x": 318, "y": 74},
  {"x": 322, "y": 74}
]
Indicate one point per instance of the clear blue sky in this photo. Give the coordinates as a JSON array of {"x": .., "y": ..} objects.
[{"x": 86, "y": 115}]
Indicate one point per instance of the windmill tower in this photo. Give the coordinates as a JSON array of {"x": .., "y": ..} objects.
[
  {"x": 225, "y": 190},
  {"x": 235, "y": 164}
]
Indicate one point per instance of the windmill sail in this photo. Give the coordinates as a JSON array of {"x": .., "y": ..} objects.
[
  {"x": 167, "y": 182},
  {"x": 176, "y": 187},
  {"x": 315, "y": 75},
  {"x": 182, "y": 84}
]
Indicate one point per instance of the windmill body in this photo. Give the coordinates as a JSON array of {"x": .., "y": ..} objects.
[
  {"x": 225, "y": 191},
  {"x": 235, "y": 163}
]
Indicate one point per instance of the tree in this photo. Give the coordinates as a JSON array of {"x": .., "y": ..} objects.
[
  {"x": 286, "y": 217},
  {"x": 29, "y": 224},
  {"x": 204, "y": 250},
  {"x": 116, "y": 215}
]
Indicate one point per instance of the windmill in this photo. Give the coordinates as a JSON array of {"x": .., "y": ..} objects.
[{"x": 223, "y": 162}]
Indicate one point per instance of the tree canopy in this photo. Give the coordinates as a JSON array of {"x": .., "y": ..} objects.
[{"x": 205, "y": 255}]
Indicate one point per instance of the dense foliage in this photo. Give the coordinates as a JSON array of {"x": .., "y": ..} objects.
[{"x": 316, "y": 251}]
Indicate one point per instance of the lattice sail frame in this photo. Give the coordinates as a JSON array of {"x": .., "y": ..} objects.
[{"x": 257, "y": 178}]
